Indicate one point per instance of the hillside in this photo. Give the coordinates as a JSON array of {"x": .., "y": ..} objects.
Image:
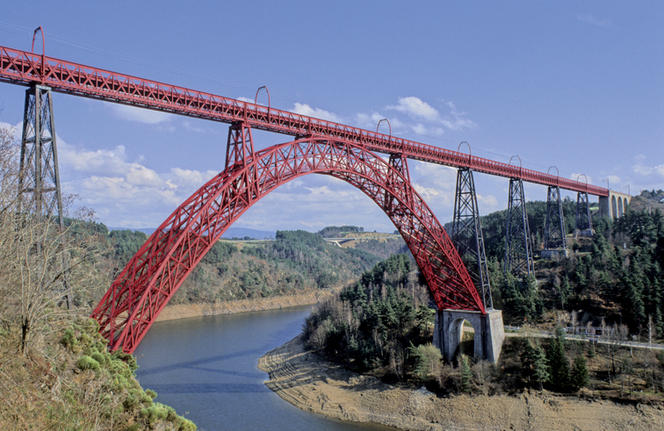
[
  {"x": 610, "y": 284},
  {"x": 294, "y": 262},
  {"x": 70, "y": 381}
]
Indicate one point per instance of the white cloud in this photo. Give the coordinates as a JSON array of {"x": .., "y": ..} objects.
[
  {"x": 423, "y": 130},
  {"x": 590, "y": 19},
  {"x": 139, "y": 115},
  {"x": 614, "y": 179},
  {"x": 304, "y": 109},
  {"x": 415, "y": 107},
  {"x": 640, "y": 167},
  {"x": 581, "y": 178},
  {"x": 456, "y": 120},
  {"x": 191, "y": 177},
  {"x": 422, "y": 118}
]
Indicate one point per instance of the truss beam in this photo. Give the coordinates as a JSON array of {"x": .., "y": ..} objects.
[
  {"x": 554, "y": 225},
  {"x": 27, "y": 68},
  {"x": 584, "y": 223},
  {"x": 39, "y": 179},
  {"x": 467, "y": 234},
  {"x": 518, "y": 248}
]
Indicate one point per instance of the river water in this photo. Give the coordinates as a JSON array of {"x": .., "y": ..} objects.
[{"x": 205, "y": 368}]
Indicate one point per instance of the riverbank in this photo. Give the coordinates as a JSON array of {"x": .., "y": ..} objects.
[
  {"x": 183, "y": 311},
  {"x": 313, "y": 384}
]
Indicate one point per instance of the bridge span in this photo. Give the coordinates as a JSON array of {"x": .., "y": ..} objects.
[
  {"x": 30, "y": 68},
  {"x": 156, "y": 271}
]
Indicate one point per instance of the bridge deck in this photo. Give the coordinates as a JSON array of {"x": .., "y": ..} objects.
[{"x": 26, "y": 68}]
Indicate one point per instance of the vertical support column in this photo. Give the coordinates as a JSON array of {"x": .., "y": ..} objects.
[
  {"x": 240, "y": 146},
  {"x": 554, "y": 228},
  {"x": 39, "y": 176},
  {"x": 467, "y": 234},
  {"x": 518, "y": 251},
  {"x": 400, "y": 164},
  {"x": 584, "y": 223},
  {"x": 39, "y": 188},
  {"x": 239, "y": 151}
]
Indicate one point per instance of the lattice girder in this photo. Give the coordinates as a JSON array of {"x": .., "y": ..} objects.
[{"x": 152, "y": 276}]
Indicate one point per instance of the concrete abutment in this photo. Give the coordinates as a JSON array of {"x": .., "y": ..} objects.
[{"x": 489, "y": 333}]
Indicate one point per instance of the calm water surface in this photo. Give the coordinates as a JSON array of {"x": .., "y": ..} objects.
[{"x": 206, "y": 369}]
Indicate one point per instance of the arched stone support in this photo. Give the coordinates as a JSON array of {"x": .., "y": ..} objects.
[
  {"x": 489, "y": 333},
  {"x": 614, "y": 205}
]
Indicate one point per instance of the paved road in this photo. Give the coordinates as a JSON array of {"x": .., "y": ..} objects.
[{"x": 536, "y": 333}]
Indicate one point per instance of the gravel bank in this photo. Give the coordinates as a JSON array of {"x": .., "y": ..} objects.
[{"x": 310, "y": 383}]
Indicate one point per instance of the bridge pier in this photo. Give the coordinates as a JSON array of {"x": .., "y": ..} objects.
[
  {"x": 584, "y": 223},
  {"x": 614, "y": 205},
  {"x": 467, "y": 234},
  {"x": 488, "y": 339},
  {"x": 518, "y": 248}
]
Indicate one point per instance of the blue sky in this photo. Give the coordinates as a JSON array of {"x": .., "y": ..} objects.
[{"x": 579, "y": 85}]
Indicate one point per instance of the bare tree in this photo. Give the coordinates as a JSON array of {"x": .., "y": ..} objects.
[{"x": 36, "y": 255}]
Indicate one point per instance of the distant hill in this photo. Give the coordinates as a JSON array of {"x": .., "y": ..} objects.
[
  {"x": 243, "y": 232},
  {"x": 648, "y": 200},
  {"x": 232, "y": 232},
  {"x": 146, "y": 230}
]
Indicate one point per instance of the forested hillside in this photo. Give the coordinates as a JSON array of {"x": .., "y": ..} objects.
[
  {"x": 614, "y": 278},
  {"x": 294, "y": 261},
  {"x": 383, "y": 323}
]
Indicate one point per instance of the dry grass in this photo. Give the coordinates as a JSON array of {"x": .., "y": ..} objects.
[{"x": 49, "y": 388}]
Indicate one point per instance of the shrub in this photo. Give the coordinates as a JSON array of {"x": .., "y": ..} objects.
[
  {"x": 85, "y": 362},
  {"x": 126, "y": 358},
  {"x": 155, "y": 412},
  {"x": 187, "y": 425},
  {"x": 99, "y": 357},
  {"x": 130, "y": 402},
  {"x": 68, "y": 339},
  {"x": 152, "y": 394}
]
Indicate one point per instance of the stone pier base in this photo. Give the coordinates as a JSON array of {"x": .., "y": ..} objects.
[{"x": 489, "y": 333}]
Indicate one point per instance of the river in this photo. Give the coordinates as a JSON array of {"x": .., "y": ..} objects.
[{"x": 205, "y": 368}]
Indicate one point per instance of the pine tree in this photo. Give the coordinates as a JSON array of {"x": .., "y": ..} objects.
[
  {"x": 579, "y": 374},
  {"x": 535, "y": 366},
  {"x": 558, "y": 363}
]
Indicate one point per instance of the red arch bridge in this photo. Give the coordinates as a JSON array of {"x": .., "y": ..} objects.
[{"x": 152, "y": 276}]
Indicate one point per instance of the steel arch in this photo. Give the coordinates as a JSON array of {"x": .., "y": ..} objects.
[{"x": 152, "y": 276}]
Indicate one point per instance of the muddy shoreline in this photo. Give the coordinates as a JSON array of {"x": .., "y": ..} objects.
[
  {"x": 313, "y": 384},
  {"x": 184, "y": 311}
]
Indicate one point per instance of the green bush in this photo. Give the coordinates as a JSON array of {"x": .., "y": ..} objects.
[
  {"x": 152, "y": 394},
  {"x": 145, "y": 398},
  {"x": 130, "y": 402},
  {"x": 99, "y": 357},
  {"x": 85, "y": 362},
  {"x": 126, "y": 358},
  {"x": 155, "y": 412},
  {"x": 187, "y": 425},
  {"x": 68, "y": 339}
]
